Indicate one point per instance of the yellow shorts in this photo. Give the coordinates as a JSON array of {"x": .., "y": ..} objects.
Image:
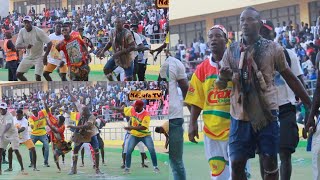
[
  {"x": 50, "y": 67},
  {"x": 28, "y": 143}
]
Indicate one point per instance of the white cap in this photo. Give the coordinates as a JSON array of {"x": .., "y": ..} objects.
[
  {"x": 3, "y": 105},
  {"x": 27, "y": 18}
]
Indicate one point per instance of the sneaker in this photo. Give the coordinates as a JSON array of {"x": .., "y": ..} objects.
[
  {"x": 144, "y": 166},
  {"x": 46, "y": 165},
  {"x": 72, "y": 172},
  {"x": 156, "y": 170},
  {"x": 126, "y": 171},
  {"x": 99, "y": 172},
  {"x": 23, "y": 172},
  {"x": 35, "y": 169},
  {"x": 123, "y": 166},
  {"x": 82, "y": 165},
  {"x": 8, "y": 170},
  {"x": 31, "y": 165}
]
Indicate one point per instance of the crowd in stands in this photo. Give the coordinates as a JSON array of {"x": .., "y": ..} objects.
[
  {"x": 98, "y": 98},
  {"x": 302, "y": 39},
  {"x": 97, "y": 19}
]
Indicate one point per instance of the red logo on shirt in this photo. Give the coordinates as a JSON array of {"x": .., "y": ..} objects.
[
  {"x": 216, "y": 96},
  {"x": 191, "y": 89}
]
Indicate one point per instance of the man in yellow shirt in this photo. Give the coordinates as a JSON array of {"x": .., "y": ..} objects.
[
  {"x": 139, "y": 130},
  {"x": 37, "y": 122},
  {"x": 204, "y": 96}
]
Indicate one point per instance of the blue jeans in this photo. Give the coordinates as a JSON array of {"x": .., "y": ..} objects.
[
  {"x": 147, "y": 140},
  {"x": 111, "y": 65},
  {"x": 176, "y": 148},
  {"x": 94, "y": 143},
  {"x": 12, "y": 70},
  {"x": 45, "y": 142},
  {"x": 243, "y": 140}
]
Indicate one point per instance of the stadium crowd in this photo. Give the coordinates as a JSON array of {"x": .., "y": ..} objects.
[
  {"x": 98, "y": 98},
  {"x": 97, "y": 19},
  {"x": 303, "y": 39}
]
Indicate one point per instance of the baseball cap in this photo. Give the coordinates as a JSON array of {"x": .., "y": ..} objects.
[
  {"x": 268, "y": 24},
  {"x": 27, "y": 18},
  {"x": 138, "y": 103},
  {"x": 222, "y": 28},
  {"x": 3, "y": 105}
]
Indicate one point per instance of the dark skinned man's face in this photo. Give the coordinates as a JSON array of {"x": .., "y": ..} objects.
[
  {"x": 134, "y": 29},
  {"x": 86, "y": 111},
  {"x": 118, "y": 23},
  {"x": 65, "y": 31},
  {"x": 19, "y": 116},
  {"x": 35, "y": 113},
  {"x": 138, "y": 108},
  {"x": 81, "y": 31},
  {"x": 8, "y": 35},
  {"x": 58, "y": 28},
  {"x": 27, "y": 25},
  {"x": 3, "y": 111},
  {"x": 250, "y": 23},
  {"x": 216, "y": 40}
]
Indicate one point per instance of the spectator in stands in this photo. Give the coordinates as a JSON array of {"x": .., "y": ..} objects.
[{"x": 1, "y": 57}]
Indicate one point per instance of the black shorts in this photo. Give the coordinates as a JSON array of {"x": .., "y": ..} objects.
[{"x": 289, "y": 132}]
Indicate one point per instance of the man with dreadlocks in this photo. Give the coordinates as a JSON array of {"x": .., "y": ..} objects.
[
  {"x": 251, "y": 66},
  {"x": 84, "y": 131}
]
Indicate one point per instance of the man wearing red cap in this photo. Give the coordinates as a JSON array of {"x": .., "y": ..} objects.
[{"x": 139, "y": 130}]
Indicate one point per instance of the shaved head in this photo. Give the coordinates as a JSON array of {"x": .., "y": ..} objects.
[{"x": 256, "y": 12}]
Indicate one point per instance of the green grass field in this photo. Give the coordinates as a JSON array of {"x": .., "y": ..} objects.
[
  {"x": 112, "y": 169},
  {"x": 197, "y": 167},
  {"x": 93, "y": 76}
]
